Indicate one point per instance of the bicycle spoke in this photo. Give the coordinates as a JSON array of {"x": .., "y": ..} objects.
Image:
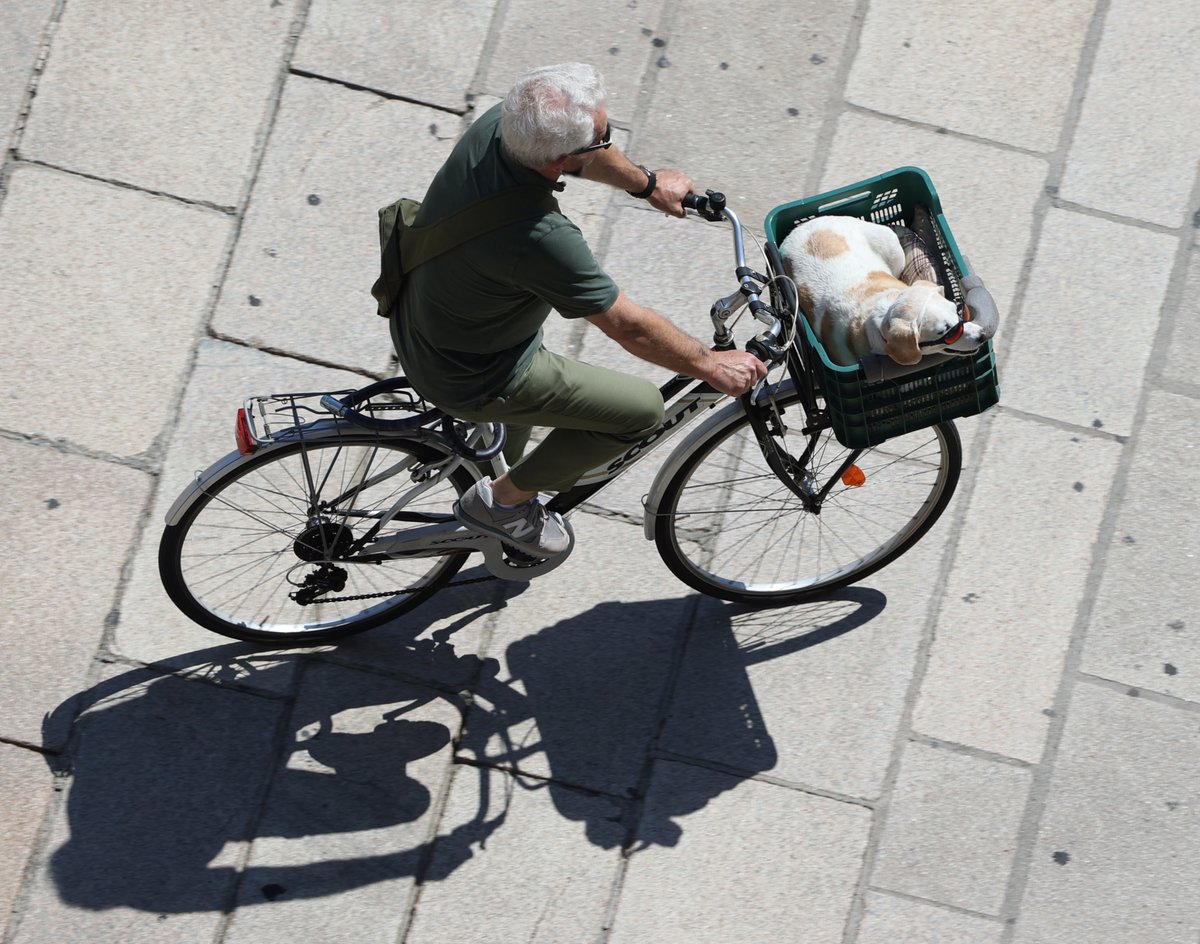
[
  {"x": 731, "y": 527},
  {"x": 266, "y": 552}
]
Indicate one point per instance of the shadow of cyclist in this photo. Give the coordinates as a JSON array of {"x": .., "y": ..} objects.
[{"x": 334, "y": 788}]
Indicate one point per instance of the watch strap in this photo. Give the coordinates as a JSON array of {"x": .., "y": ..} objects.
[{"x": 651, "y": 183}]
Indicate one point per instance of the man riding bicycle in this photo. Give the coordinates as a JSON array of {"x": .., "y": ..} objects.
[{"x": 468, "y": 328}]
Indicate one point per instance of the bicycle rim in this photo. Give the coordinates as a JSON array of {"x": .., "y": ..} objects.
[
  {"x": 280, "y": 526},
  {"x": 730, "y": 527}
]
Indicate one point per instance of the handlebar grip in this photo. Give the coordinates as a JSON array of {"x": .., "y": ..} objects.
[
  {"x": 711, "y": 206},
  {"x": 758, "y": 349}
]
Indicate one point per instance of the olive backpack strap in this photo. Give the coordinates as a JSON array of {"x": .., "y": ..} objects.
[{"x": 403, "y": 246}]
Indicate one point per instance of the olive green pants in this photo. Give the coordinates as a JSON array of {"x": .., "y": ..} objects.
[{"x": 594, "y": 414}]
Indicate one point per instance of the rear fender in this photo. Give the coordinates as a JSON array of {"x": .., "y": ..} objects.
[{"x": 202, "y": 481}]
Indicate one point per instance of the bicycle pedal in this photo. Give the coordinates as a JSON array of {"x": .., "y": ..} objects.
[{"x": 519, "y": 558}]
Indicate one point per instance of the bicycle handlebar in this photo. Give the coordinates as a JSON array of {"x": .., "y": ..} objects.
[{"x": 766, "y": 346}]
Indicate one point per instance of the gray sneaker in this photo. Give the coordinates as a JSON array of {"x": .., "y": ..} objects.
[{"x": 529, "y": 527}]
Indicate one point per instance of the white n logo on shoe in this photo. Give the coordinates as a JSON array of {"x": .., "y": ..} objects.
[{"x": 519, "y": 528}]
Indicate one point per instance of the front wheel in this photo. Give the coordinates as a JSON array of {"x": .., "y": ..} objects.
[
  {"x": 730, "y": 527},
  {"x": 267, "y": 552}
]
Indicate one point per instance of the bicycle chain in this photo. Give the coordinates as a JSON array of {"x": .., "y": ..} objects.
[{"x": 396, "y": 593}]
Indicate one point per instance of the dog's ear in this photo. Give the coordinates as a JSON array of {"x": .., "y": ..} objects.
[
  {"x": 900, "y": 330},
  {"x": 902, "y": 342}
]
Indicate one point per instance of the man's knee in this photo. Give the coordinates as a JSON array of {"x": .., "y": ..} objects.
[{"x": 644, "y": 410}]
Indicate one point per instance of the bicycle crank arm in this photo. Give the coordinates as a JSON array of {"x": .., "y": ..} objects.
[{"x": 451, "y": 537}]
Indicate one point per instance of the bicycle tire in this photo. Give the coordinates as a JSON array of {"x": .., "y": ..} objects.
[
  {"x": 732, "y": 528},
  {"x": 250, "y": 540}
]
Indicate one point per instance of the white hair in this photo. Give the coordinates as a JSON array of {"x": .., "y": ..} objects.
[{"x": 550, "y": 112}]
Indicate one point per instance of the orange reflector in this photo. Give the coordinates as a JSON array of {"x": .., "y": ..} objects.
[
  {"x": 245, "y": 442},
  {"x": 854, "y": 477}
]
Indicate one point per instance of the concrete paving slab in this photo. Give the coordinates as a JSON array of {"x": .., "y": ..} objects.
[
  {"x": 511, "y": 863},
  {"x": 151, "y": 629},
  {"x": 585, "y": 655},
  {"x": 22, "y": 23},
  {"x": 124, "y": 278},
  {"x": 989, "y": 195},
  {"x": 1134, "y": 152},
  {"x": 1097, "y": 280},
  {"x": 26, "y": 786},
  {"x": 1008, "y": 606},
  {"x": 1182, "y": 361},
  {"x": 926, "y": 62},
  {"x": 427, "y": 52},
  {"x": 951, "y": 829},
  {"x": 170, "y": 99},
  {"x": 619, "y": 40},
  {"x": 349, "y": 812},
  {"x": 69, "y": 525},
  {"x": 1143, "y": 623},
  {"x": 166, "y": 779},
  {"x": 761, "y": 92},
  {"x": 811, "y": 694},
  {"x": 889, "y": 918},
  {"x": 730, "y": 859},
  {"x": 1116, "y": 858},
  {"x": 578, "y": 669},
  {"x": 308, "y": 253}
]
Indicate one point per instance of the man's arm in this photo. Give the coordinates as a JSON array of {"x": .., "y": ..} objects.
[
  {"x": 612, "y": 167},
  {"x": 648, "y": 335}
]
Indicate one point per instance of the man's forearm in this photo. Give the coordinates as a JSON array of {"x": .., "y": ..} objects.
[
  {"x": 658, "y": 341},
  {"x": 646, "y": 334},
  {"x": 612, "y": 167}
]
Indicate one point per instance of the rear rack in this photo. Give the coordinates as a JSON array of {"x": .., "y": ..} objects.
[{"x": 276, "y": 416}]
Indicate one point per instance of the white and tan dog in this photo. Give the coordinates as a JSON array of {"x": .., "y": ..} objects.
[{"x": 847, "y": 275}]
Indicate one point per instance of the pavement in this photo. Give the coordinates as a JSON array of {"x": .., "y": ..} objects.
[{"x": 992, "y": 741}]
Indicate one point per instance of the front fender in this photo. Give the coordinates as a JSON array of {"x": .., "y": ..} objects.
[{"x": 713, "y": 424}]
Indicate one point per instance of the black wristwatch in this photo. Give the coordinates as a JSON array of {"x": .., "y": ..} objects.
[{"x": 651, "y": 183}]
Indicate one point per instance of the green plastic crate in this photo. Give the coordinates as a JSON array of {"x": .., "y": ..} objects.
[{"x": 865, "y": 413}]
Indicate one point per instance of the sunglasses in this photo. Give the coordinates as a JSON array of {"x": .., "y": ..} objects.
[
  {"x": 953, "y": 334},
  {"x": 604, "y": 142}
]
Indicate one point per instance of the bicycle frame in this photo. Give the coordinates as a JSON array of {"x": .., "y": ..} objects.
[{"x": 686, "y": 399}]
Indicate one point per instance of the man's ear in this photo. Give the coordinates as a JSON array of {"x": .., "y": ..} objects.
[{"x": 900, "y": 340}]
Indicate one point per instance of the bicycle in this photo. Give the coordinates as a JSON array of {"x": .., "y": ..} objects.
[{"x": 332, "y": 518}]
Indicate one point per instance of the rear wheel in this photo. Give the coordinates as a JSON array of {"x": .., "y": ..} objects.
[
  {"x": 731, "y": 527},
  {"x": 266, "y": 553}
]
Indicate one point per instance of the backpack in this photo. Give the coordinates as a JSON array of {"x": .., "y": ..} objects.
[{"x": 403, "y": 247}]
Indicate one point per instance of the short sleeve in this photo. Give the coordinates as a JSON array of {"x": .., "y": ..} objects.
[{"x": 560, "y": 269}]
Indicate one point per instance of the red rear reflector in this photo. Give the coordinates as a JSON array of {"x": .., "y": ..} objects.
[
  {"x": 854, "y": 477},
  {"x": 245, "y": 442}
]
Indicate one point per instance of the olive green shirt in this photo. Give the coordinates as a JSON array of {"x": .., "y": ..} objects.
[{"x": 470, "y": 320}]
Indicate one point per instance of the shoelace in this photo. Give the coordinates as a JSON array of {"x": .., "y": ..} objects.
[{"x": 536, "y": 516}]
